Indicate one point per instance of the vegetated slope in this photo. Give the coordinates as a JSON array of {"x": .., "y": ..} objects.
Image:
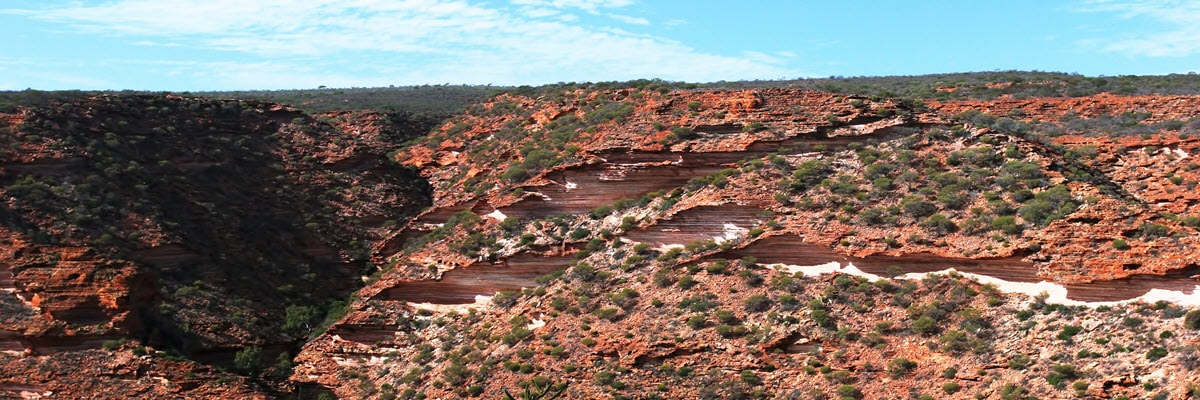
[
  {"x": 197, "y": 227},
  {"x": 991, "y": 85},
  {"x": 638, "y": 296},
  {"x": 435, "y": 101},
  {"x": 441, "y": 101},
  {"x": 632, "y": 235}
]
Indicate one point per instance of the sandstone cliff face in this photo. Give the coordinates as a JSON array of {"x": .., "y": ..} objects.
[
  {"x": 194, "y": 226},
  {"x": 620, "y": 243},
  {"x": 1160, "y": 108},
  {"x": 653, "y": 213},
  {"x": 119, "y": 373}
]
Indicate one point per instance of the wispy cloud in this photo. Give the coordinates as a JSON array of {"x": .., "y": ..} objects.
[
  {"x": 154, "y": 43},
  {"x": 590, "y": 6},
  {"x": 1177, "y": 34},
  {"x": 586, "y": 5},
  {"x": 629, "y": 19},
  {"x": 410, "y": 41},
  {"x": 19, "y": 71}
]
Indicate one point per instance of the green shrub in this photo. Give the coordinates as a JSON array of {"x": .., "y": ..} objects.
[
  {"x": 299, "y": 319},
  {"x": 604, "y": 378},
  {"x": 939, "y": 224},
  {"x": 1149, "y": 231},
  {"x": 608, "y": 313},
  {"x": 625, "y": 298},
  {"x": 671, "y": 254},
  {"x": 1060, "y": 373},
  {"x": 249, "y": 360},
  {"x": 1019, "y": 362},
  {"x": 717, "y": 267},
  {"x": 515, "y": 173},
  {"x": 516, "y": 334},
  {"x": 808, "y": 174},
  {"x": 1048, "y": 205},
  {"x": 1156, "y": 353},
  {"x": 526, "y": 239},
  {"x": 628, "y": 223},
  {"x": 1012, "y": 391},
  {"x": 506, "y": 299},
  {"x": 583, "y": 272},
  {"x": 684, "y": 133},
  {"x": 1191, "y": 320},
  {"x": 917, "y": 207},
  {"x": 1080, "y": 387},
  {"x": 1023, "y": 170},
  {"x": 600, "y": 212},
  {"x": 726, "y": 317},
  {"x": 900, "y": 367},
  {"x": 751, "y": 278},
  {"x": 696, "y": 321},
  {"x": 580, "y": 233},
  {"x": 823, "y": 318},
  {"x": 955, "y": 341},
  {"x": 924, "y": 325},
  {"x": 757, "y": 303},
  {"x": 1006, "y": 224},
  {"x": 686, "y": 282},
  {"x": 750, "y": 378},
  {"x": 1021, "y": 195},
  {"x": 849, "y": 391},
  {"x": 698, "y": 303},
  {"x": 1069, "y": 331},
  {"x": 113, "y": 344}
]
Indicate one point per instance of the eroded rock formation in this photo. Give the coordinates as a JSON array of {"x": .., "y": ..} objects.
[
  {"x": 612, "y": 243},
  {"x": 691, "y": 190}
]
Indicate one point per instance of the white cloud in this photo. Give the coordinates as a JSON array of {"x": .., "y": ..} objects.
[
  {"x": 586, "y": 5},
  {"x": 629, "y": 20},
  {"x": 1178, "y": 36},
  {"x": 154, "y": 43},
  {"x": 541, "y": 12},
  {"x": 763, "y": 57},
  {"x": 72, "y": 80},
  {"x": 275, "y": 76},
  {"x": 379, "y": 42}
]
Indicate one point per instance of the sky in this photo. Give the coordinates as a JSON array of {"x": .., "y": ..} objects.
[{"x": 197, "y": 45}]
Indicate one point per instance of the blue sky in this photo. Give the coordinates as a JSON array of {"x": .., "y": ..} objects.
[{"x": 191, "y": 45}]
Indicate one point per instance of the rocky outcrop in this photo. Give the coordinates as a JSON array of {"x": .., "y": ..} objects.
[
  {"x": 189, "y": 225},
  {"x": 465, "y": 285},
  {"x": 686, "y": 190},
  {"x": 1159, "y": 108},
  {"x": 615, "y": 243},
  {"x": 118, "y": 373}
]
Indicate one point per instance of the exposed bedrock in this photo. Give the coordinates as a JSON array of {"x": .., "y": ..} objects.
[
  {"x": 6, "y": 278},
  {"x": 1181, "y": 280},
  {"x": 462, "y": 285},
  {"x": 726, "y": 222},
  {"x": 626, "y": 174},
  {"x": 792, "y": 250}
]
